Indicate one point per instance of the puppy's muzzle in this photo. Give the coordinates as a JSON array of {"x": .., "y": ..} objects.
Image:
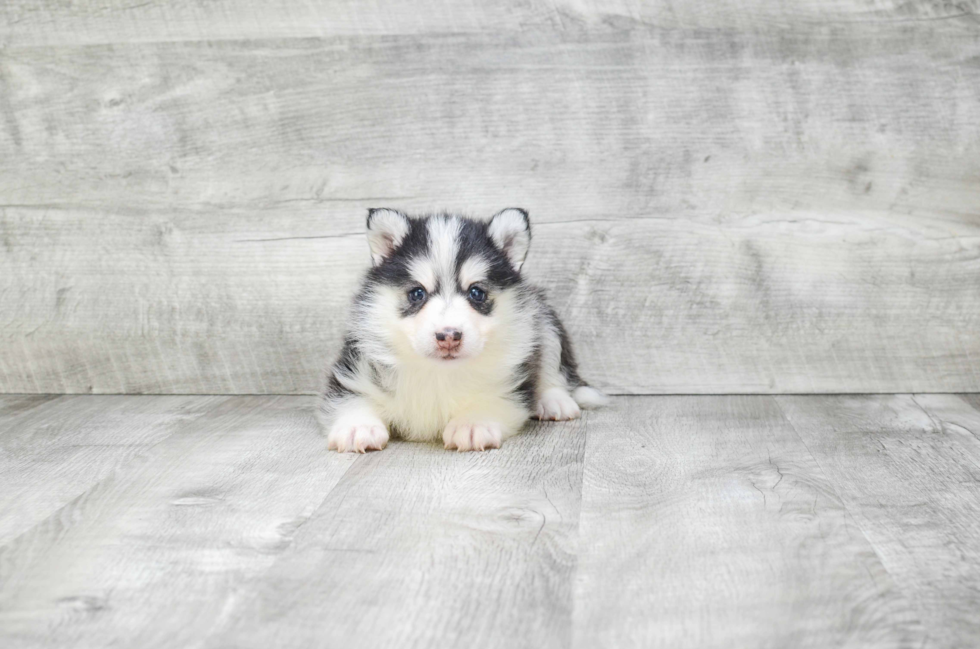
[{"x": 449, "y": 340}]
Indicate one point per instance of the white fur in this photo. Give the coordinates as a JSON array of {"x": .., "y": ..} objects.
[
  {"x": 403, "y": 381},
  {"x": 474, "y": 270},
  {"x": 588, "y": 397},
  {"x": 422, "y": 392},
  {"x": 557, "y": 405},
  {"x": 386, "y": 229},
  {"x": 442, "y": 312},
  {"x": 509, "y": 231},
  {"x": 430, "y": 391},
  {"x": 467, "y": 435},
  {"x": 443, "y": 233},
  {"x": 424, "y": 273},
  {"x": 357, "y": 429}
]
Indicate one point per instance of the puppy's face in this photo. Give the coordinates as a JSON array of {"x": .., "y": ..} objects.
[{"x": 444, "y": 283}]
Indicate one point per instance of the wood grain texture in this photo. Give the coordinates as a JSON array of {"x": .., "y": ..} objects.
[
  {"x": 750, "y": 212},
  {"x": 49, "y": 22},
  {"x": 52, "y": 453},
  {"x": 13, "y": 407},
  {"x": 791, "y": 207},
  {"x": 750, "y": 314},
  {"x": 707, "y": 523},
  {"x": 660, "y": 521},
  {"x": 151, "y": 554},
  {"x": 420, "y": 547},
  {"x": 908, "y": 469}
]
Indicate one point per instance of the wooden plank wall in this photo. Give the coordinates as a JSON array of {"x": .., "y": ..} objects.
[{"x": 741, "y": 196}]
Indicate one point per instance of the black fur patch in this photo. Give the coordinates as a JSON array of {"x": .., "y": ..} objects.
[
  {"x": 569, "y": 366},
  {"x": 350, "y": 355},
  {"x": 528, "y": 372},
  {"x": 483, "y": 308},
  {"x": 394, "y": 270},
  {"x": 474, "y": 240},
  {"x": 411, "y": 308}
]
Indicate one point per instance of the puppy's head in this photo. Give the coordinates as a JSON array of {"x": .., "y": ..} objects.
[{"x": 444, "y": 285}]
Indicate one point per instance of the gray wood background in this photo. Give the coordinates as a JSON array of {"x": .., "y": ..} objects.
[{"x": 740, "y": 196}]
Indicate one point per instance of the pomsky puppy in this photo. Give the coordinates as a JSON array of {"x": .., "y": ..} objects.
[{"x": 447, "y": 341}]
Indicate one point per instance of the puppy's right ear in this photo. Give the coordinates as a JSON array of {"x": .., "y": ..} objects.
[
  {"x": 386, "y": 229},
  {"x": 510, "y": 229}
]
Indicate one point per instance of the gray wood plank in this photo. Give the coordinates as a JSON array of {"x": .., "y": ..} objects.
[
  {"x": 52, "y": 453},
  {"x": 13, "y": 407},
  {"x": 420, "y": 547},
  {"x": 49, "y": 22},
  {"x": 706, "y": 523},
  {"x": 661, "y": 521},
  {"x": 584, "y": 125},
  {"x": 908, "y": 469},
  {"x": 958, "y": 417},
  {"x": 32, "y": 23},
  {"x": 972, "y": 399},
  {"x": 153, "y": 554},
  {"x": 757, "y": 211}
]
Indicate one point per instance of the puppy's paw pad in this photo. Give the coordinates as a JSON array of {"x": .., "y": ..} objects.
[
  {"x": 357, "y": 437},
  {"x": 557, "y": 405},
  {"x": 472, "y": 435}
]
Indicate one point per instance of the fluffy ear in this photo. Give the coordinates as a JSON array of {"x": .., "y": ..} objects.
[
  {"x": 385, "y": 231},
  {"x": 510, "y": 229}
]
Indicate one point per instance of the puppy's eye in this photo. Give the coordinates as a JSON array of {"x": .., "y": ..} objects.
[
  {"x": 477, "y": 294},
  {"x": 416, "y": 295}
]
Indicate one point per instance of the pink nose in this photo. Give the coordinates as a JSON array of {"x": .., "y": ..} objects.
[{"x": 449, "y": 340}]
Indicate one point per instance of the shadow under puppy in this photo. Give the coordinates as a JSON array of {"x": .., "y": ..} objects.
[{"x": 446, "y": 339}]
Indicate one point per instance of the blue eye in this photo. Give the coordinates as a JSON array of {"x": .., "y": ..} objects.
[
  {"x": 416, "y": 295},
  {"x": 477, "y": 294}
]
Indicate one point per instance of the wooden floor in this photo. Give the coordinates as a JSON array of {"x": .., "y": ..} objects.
[{"x": 712, "y": 521}]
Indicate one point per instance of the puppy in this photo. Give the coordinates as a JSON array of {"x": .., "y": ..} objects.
[{"x": 447, "y": 341}]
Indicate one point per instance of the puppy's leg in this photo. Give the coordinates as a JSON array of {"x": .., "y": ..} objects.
[
  {"x": 557, "y": 373},
  {"x": 557, "y": 404},
  {"x": 356, "y": 428},
  {"x": 472, "y": 434},
  {"x": 486, "y": 427}
]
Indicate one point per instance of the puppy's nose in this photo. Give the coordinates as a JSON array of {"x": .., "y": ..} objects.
[{"x": 449, "y": 339}]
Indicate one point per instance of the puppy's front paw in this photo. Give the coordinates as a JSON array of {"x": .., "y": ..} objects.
[
  {"x": 465, "y": 435},
  {"x": 357, "y": 434},
  {"x": 556, "y": 404}
]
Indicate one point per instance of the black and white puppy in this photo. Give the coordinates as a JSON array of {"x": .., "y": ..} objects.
[{"x": 446, "y": 339}]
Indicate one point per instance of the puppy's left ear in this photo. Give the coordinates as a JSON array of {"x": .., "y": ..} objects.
[
  {"x": 386, "y": 229},
  {"x": 510, "y": 229}
]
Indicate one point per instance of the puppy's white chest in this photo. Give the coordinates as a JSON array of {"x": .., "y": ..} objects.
[{"x": 423, "y": 402}]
